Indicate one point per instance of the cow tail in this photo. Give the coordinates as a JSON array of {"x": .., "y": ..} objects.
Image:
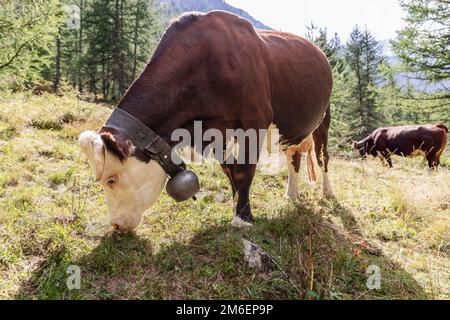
[
  {"x": 310, "y": 166},
  {"x": 444, "y": 140}
]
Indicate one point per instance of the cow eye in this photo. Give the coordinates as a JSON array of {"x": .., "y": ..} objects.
[{"x": 111, "y": 180}]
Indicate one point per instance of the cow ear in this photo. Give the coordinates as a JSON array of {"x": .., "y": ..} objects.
[
  {"x": 118, "y": 145},
  {"x": 354, "y": 144}
]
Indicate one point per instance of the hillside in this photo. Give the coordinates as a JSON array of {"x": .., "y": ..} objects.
[
  {"x": 175, "y": 7},
  {"x": 53, "y": 216}
]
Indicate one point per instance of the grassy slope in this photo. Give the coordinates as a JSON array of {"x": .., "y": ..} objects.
[{"x": 53, "y": 216}]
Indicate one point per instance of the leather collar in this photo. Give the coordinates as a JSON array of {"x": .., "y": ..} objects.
[{"x": 146, "y": 140}]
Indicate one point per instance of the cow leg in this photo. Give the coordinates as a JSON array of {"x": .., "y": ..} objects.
[
  {"x": 388, "y": 159},
  {"x": 433, "y": 160},
  {"x": 385, "y": 157},
  {"x": 227, "y": 169},
  {"x": 293, "y": 159},
  {"x": 321, "y": 147},
  {"x": 241, "y": 177},
  {"x": 381, "y": 157},
  {"x": 240, "y": 172}
]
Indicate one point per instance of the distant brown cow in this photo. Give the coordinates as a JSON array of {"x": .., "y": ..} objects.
[{"x": 427, "y": 140}]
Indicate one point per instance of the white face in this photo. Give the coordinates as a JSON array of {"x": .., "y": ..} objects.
[{"x": 131, "y": 186}]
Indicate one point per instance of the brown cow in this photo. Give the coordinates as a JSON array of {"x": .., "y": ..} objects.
[
  {"x": 215, "y": 68},
  {"x": 428, "y": 140}
]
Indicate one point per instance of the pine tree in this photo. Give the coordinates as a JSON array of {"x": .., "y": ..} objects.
[
  {"x": 364, "y": 56},
  {"x": 343, "y": 82},
  {"x": 27, "y": 32},
  {"x": 423, "y": 44},
  {"x": 71, "y": 44},
  {"x": 122, "y": 35},
  {"x": 331, "y": 47},
  {"x": 423, "y": 47},
  {"x": 108, "y": 47},
  {"x": 342, "y": 100}
]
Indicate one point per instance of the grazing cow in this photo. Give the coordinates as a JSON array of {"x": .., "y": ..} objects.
[
  {"x": 217, "y": 69},
  {"x": 428, "y": 140}
]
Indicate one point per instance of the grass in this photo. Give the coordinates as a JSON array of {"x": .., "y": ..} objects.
[{"x": 53, "y": 215}]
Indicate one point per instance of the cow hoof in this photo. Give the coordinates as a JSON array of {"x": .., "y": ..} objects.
[
  {"x": 327, "y": 191},
  {"x": 328, "y": 195},
  {"x": 116, "y": 229},
  {"x": 240, "y": 224}
]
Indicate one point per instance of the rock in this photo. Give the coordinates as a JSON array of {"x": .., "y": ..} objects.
[{"x": 257, "y": 258}]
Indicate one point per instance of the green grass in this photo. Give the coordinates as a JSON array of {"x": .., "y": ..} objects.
[{"x": 53, "y": 215}]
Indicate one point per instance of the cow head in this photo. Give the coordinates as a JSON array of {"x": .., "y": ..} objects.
[
  {"x": 359, "y": 149},
  {"x": 131, "y": 186}
]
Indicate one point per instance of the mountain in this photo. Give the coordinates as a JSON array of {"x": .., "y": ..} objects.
[{"x": 173, "y": 8}]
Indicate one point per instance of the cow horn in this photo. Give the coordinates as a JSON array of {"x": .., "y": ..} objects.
[
  {"x": 99, "y": 158},
  {"x": 92, "y": 145}
]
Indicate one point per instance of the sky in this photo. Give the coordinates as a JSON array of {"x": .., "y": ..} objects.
[{"x": 382, "y": 17}]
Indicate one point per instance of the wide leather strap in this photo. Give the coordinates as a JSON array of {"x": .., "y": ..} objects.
[{"x": 146, "y": 140}]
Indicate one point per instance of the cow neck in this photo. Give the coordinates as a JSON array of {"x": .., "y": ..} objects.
[
  {"x": 154, "y": 108},
  {"x": 156, "y": 97}
]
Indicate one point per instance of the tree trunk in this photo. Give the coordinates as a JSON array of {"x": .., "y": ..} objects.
[
  {"x": 121, "y": 53},
  {"x": 103, "y": 76},
  {"x": 135, "y": 40},
  {"x": 57, "y": 79},
  {"x": 80, "y": 49},
  {"x": 116, "y": 49}
]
